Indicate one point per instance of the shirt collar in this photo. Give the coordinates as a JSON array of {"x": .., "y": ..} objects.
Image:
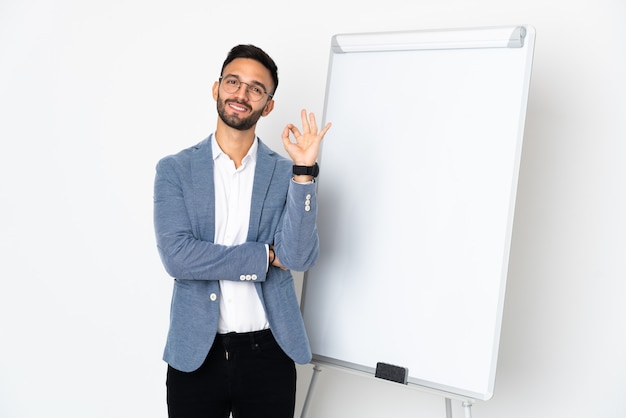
[{"x": 250, "y": 156}]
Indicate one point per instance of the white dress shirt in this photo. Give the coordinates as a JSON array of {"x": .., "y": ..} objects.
[{"x": 240, "y": 307}]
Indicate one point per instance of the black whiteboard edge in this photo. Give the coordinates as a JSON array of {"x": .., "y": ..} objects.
[
  {"x": 412, "y": 383},
  {"x": 483, "y": 37}
]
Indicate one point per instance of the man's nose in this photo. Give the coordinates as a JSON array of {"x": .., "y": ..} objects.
[{"x": 243, "y": 90}]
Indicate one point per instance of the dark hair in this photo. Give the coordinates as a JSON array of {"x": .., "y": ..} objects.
[{"x": 255, "y": 53}]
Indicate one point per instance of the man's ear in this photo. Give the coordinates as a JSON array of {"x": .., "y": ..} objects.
[
  {"x": 269, "y": 106},
  {"x": 216, "y": 87}
]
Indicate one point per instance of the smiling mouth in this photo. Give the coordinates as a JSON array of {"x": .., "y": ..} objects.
[{"x": 238, "y": 106}]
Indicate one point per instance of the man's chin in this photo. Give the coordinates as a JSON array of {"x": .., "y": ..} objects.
[{"x": 238, "y": 124}]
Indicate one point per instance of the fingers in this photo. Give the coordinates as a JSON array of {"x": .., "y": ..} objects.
[
  {"x": 285, "y": 135},
  {"x": 326, "y": 128},
  {"x": 305, "y": 123},
  {"x": 290, "y": 129},
  {"x": 309, "y": 126}
]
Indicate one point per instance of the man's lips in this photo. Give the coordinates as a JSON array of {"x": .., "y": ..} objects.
[{"x": 238, "y": 107}]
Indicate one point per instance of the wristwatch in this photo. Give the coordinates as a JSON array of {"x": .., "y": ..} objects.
[{"x": 306, "y": 170}]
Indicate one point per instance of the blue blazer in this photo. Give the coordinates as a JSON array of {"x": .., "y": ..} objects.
[{"x": 283, "y": 213}]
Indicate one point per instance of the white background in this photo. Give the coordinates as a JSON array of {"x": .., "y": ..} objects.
[{"x": 92, "y": 94}]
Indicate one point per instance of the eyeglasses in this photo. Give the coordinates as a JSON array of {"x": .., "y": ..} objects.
[{"x": 231, "y": 84}]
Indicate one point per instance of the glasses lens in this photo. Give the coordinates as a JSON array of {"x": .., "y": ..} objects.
[
  {"x": 230, "y": 84},
  {"x": 255, "y": 93}
]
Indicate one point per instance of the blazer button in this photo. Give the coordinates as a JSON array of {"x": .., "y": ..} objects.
[
  {"x": 242, "y": 277},
  {"x": 248, "y": 277},
  {"x": 213, "y": 297},
  {"x": 254, "y": 277}
]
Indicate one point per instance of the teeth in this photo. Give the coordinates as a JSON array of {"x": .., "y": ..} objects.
[{"x": 241, "y": 108}]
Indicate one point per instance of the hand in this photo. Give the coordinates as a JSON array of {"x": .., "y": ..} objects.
[
  {"x": 306, "y": 147},
  {"x": 274, "y": 259}
]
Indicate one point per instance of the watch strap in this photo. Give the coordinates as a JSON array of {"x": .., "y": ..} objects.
[{"x": 306, "y": 170}]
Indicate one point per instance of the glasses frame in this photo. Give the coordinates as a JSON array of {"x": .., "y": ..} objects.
[{"x": 248, "y": 86}]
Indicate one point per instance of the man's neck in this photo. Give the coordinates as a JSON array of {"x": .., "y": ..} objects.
[{"x": 234, "y": 143}]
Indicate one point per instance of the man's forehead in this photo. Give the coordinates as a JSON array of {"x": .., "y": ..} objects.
[{"x": 249, "y": 68}]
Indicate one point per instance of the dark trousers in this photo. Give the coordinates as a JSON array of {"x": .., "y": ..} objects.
[{"x": 247, "y": 374}]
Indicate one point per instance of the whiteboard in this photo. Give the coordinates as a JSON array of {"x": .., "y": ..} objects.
[{"x": 416, "y": 202}]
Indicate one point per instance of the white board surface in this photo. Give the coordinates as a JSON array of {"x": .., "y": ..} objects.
[{"x": 416, "y": 202}]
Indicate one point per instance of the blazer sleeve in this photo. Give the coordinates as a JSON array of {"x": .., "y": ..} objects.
[{"x": 296, "y": 240}]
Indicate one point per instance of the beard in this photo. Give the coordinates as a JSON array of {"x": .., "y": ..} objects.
[{"x": 234, "y": 121}]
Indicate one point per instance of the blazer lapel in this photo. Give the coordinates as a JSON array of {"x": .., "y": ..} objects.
[
  {"x": 204, "y": 190},
  {"x": 265, "y": 165}
]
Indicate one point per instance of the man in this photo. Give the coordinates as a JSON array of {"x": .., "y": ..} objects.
[{"x": 232, "y": 218}]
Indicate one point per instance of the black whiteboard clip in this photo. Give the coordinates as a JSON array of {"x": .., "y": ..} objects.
[{"x": 393, "y": 373}]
